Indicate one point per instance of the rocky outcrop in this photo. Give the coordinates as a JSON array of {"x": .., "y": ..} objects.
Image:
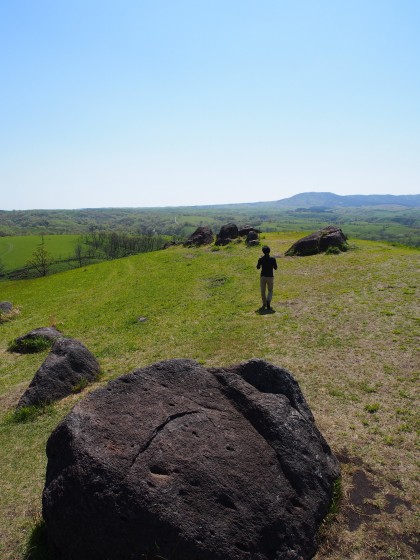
[
  {"x": 318, "y": 242},
  {"x": 202, "y": 236},
  {"x": 68, "y": 367},
  {"x": 188, "y": 463},
  {"x": 28, "y": 343},
  {"x": 245, "y": 230},
  {"x": 227, "y": 233}
]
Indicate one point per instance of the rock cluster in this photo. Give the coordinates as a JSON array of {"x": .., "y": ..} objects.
[
  {"x": 318, "y": 242},
  {"x": 230, "y": 231},
  {"x": 182, "y": 462}
]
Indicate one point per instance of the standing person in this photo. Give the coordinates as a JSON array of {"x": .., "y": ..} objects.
[{"x": 268, "y": 265}]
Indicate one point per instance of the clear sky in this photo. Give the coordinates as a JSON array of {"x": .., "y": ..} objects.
[{"x": 185, "y": 102}]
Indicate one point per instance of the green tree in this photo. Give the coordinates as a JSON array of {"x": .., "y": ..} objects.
[{"x": 41, "y": 260}]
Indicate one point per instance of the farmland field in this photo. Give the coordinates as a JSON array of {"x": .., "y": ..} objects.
[{"x": 16, "y": 250}]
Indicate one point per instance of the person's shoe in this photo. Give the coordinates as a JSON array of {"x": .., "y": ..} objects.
[{"x": 268, "y": 305}]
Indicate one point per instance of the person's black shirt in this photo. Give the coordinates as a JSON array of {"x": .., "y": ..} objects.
[{"x": 267, "y": 265}]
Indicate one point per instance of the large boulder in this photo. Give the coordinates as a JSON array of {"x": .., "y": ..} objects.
[
  {"x": 318, "y": 242},
  {"x": 186, "y": 463},
  {"x": 68, "y": 367},
  {"x": 251, "y": 237},
  {"x": 202, "y": 236},
  {"x": 29, "y": 342},
  {"x": 226, "y": 234}
]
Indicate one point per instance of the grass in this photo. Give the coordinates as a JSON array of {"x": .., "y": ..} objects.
[
  {"x": 16, "y": 250},
  {"x": 30, "y": 345},
  {"x": 329, "y": 329},
  {"x": 27, "y": 413}
]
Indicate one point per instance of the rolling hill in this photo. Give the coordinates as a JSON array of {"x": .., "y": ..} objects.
[{"x": 346, "y": 326}]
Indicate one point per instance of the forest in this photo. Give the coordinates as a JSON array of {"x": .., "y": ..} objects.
[{"x": 393, "y": 223}]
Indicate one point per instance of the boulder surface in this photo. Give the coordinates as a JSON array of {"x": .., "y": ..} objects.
[
  {"x": 68, "y": 366},
  {"x": 226, "y": 234},
  {"x": 6, "y": 306},
  {"x": 184, "y": 463},
  {"x": 317, "y": 242},
  {"x": 202, "y": 236},
  {"x": 245, "y": 230}
]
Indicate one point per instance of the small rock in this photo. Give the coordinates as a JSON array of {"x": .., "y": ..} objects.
[{"x": 68, "y": 366}]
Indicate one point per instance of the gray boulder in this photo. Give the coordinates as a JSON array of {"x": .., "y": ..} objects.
[
  {"x": 68, "y": 366},
  {"x": 5, "y": 306},
  {"x": 184, "y": 463},
  {"x": 202, "y": 236},
  {"x": 27, "y": 343},
  {"x": 318, "y": 242}
]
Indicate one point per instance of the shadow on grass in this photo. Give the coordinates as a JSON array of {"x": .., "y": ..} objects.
[
  {"x": 264, "y": 311},
  {"x": 37, "y": 547}
]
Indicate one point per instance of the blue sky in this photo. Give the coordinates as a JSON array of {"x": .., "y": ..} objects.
[{"x": 181, "y": 102}]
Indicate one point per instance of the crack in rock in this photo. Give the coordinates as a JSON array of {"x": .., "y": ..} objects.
[{"x": 159, "y": 428}]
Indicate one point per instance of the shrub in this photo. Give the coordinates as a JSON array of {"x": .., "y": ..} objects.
[
  {"x": 28, "y": 413},
  {"x": 30, "y": 345},
  {"x": 372, "y": 408},
  {"x": 333, "y": 250}
]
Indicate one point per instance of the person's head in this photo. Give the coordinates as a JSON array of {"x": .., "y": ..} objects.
[{"x": 266, "y": 250}]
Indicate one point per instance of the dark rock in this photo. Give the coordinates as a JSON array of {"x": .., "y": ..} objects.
[
  {"x": 243, "y": 231},
  {"x": 251, "y": 236},
  {"x": 171, "y": 244},
  {"x": 226, "y": 234},
  {"x": 189, "y": 463},
  {"x": 318, "y": 242},
  {"x": 5, "y": 306},
  {"x": 24, "y": 344},
  {"x": 68, "y": 366},
  {"x": 201, "y": 236},
  {"x": 253, "y": 243}
]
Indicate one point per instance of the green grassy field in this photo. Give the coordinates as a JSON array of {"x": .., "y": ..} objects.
[
  {"x": 16, "y": 250},
  {"x": 346, "y": 326}
]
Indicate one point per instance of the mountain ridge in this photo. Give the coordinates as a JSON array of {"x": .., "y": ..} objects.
[{"x": 329, "y": 199}]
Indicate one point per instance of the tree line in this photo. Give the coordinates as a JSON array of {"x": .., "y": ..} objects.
[{"x": 93, "y": 247}]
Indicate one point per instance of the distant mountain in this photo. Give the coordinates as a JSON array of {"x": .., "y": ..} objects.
[{"x": 331, "y": 200}]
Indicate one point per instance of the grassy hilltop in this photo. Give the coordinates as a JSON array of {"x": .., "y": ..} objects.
[{"x": 346, "y": 326}]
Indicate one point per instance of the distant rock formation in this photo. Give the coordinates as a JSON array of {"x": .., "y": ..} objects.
[
  {"x": 202, "y": 236},
  {"x": 189, "y": 463},
  {"x": 318, "y": 242},
  {"x": 246, "y": 230},
  {"x": 26, "y": 344},
  {"x": 67, "y": 367},
  {"x": 252, "y": 237},
  {"x": 171, "y": 244},
  {"x": 226, "y": 234}
]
